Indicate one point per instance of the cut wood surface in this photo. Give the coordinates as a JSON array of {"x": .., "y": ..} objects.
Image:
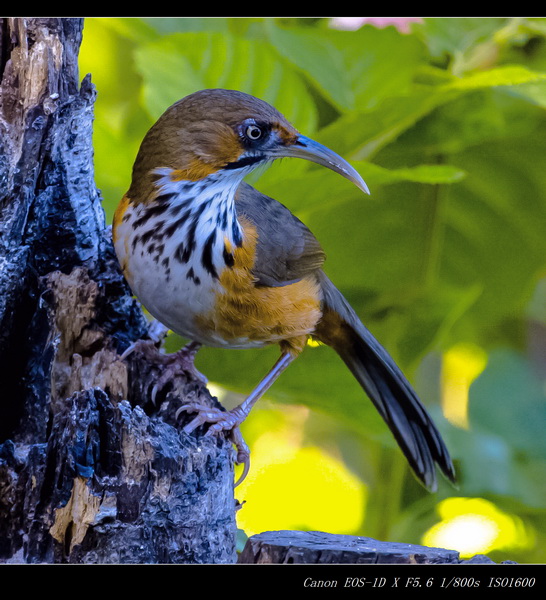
[{"x": 317, "y": 547}]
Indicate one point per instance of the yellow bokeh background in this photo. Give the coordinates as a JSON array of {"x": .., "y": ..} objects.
[
  {"x": 476, "y": 526},
  {"x": 294, "y": 486}
]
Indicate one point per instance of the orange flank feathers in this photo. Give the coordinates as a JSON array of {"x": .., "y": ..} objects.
[
  {"x": 288, "y": 314},
  {"x": 118, "y": 215}
]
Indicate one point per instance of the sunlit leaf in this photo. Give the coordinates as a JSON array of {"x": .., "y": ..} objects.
[
  {"x": 379, "y": 63},
  {"x": 182, "y": 63},
  {"x": 501, "y": 76},
  {"x": 452, "y": 36},
  {"x": 318, "y": 58}
]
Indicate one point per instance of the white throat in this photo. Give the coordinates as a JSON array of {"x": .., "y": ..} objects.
[{"x": 200, "y": 222}]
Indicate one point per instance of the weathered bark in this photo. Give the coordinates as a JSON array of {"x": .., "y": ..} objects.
[
  {"x": 317, "y": 547},
  {"x": 90, "y": 469},
  {"x": 312, "y": 547}
]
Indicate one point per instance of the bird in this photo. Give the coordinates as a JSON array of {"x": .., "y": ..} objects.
[{"x": 221, "y": 264}]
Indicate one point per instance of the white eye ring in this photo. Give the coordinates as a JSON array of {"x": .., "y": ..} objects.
[{"x": 253, "y": 132}]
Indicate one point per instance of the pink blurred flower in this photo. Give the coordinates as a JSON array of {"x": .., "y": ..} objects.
[{"x": 403, "y": 24}]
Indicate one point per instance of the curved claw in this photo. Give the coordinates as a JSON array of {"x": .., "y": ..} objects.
[
  {"x": 243, "y": 453},
  {"x": 183, "y": 408},
  {"x": 162, "y": 381},
  {"x": 244, "y": 473},
  {"x": 128, "y": 351},
  {"x": 205, "y": 414},
  {"x": 220, "y": 421}
]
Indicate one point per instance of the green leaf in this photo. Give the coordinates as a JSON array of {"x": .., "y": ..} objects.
[
  {"x": 534, "y": 91},
  {"x": 379, "y": 63},
  {"x": 136, "y": 30},
  {"x": 168, "y": 25},
  {"x": 472, "y": 118},
  {"x": 167, "y": 76},
  {"x": 511, "y": 75},
  {"x": 509, "y": 400},
  {"x": 507, "y": 412},
  {"x": 361, "y": 135},
  {"x": 431, "y": 174},
  {"x": 306, "y": 189},
  {"x": 354, "y": 70},
  {"x": 494, "y": 234},
  {"x": 182, "y": 63},
  {"x": 456, "y": 36},
  {"x": 318, "y": 58}
]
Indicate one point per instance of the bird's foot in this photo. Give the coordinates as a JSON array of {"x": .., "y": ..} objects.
[
  {"x": 175, "y": 364},
  {"x": 157, "y": 332},
  {"x": 221, "y": 420}
]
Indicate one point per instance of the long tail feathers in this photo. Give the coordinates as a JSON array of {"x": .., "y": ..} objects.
[{"x": 386, "y": 386}]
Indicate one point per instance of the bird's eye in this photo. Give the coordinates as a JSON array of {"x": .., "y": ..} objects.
[{"x": 253, "y": 132}]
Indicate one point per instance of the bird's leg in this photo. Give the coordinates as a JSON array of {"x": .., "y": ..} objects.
[
  {"x": 230, "y": 420},
  {"x": 226, "y": 420}
]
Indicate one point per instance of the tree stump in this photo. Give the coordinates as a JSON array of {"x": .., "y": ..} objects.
[
  {"x": 317, "y": 547},
  {"x": 91, "y": 470}
]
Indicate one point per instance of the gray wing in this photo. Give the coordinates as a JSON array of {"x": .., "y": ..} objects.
[{"x": 286, "y": 249}]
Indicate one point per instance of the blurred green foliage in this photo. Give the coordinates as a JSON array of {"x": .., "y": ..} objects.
[{"x": 447, "y": 125}]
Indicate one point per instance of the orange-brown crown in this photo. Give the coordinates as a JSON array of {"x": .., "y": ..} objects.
[{"x": 201, "y": 134}]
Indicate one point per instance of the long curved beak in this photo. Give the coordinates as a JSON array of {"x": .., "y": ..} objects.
[{"x": 308, "y": 149}]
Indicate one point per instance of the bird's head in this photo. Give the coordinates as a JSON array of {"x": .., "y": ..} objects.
[{"x": 225, "y": 130}]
